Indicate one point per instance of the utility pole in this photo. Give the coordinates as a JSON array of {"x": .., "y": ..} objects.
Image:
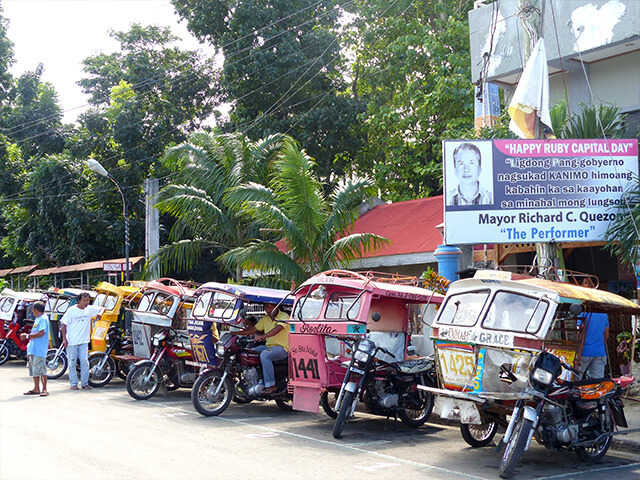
[
  {"x": 152, "y": 222},
  {"x": 530, "y": 14}
]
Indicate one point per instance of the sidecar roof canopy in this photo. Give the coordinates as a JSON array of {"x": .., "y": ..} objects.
[
  {"x": 592, "y": 298},
  {"x": 170, "y": 286},
  {"x": 401, "y": 287},
  {"x": 27, "y": 296},
  {"x": 248, "y": 293}
]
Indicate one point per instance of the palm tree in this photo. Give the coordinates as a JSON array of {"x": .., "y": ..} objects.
[
  {"x": 312, "y": 227},
  {"x": 207, "y": 166},
  {"x": 623, "y": 234}
]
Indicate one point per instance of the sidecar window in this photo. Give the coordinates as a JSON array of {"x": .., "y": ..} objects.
[
  {"x": 6, "y": 305},
  {"x": 162, "y": 303},
  {"x": 62, "y": 305},
  {"x": 515, "y": 313},
  {"x": 307, "y": 308},
  {"x": 110, "y": 302},
  {"x": 341, "y": 303},
  {"x": 463, "y": 309},
  {"x": 145, "y": 302}
]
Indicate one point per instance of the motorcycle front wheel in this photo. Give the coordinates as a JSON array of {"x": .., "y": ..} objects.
[
  {"x": 417, "y": 409},
  {"x": 594, "y": 452},
  {"x": 143, "y": 381},
  {"x": 204, "y": 397},
  {"x": 55, "y": 366},
  {"x": 478, "y": 435},
  {"x": 5, "y": 352},
  {"x": 328, "y": 403},
  {"x": 515, "y": 447},
  {"x": 343, "y": 413},
  {"x": 100, "y": 371}
]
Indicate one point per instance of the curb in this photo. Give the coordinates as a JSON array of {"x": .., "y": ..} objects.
[{"x": 625, "y": 445}]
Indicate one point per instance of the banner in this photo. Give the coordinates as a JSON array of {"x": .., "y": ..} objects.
[{"x": 528, "y": 191}]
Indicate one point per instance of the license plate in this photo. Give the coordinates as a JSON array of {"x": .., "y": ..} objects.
[{"x": 457, "y": 365}]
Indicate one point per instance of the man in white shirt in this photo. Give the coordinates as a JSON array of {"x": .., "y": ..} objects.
[{"x": 75, "y": 327}]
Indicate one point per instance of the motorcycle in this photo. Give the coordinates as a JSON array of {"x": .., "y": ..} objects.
[
  {"x": 167, "y": 365},
  {"x": 56, "y": 362},
  {"x": 238, "y": 377},
  {"x": 385, "y": 388},
  {"x": 579, "y": 416},
  {"x": 103, "y": 365},
  {"x": 11, "y": 345}
]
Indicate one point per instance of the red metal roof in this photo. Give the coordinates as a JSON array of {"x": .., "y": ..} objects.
[{"x": 410, "y": 225}]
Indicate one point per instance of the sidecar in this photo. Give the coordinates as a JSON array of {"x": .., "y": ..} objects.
[
  {"x": 490, "y": 329},
  {"x": 223, "y": 306},
  {"x": 334, "y": 309}
]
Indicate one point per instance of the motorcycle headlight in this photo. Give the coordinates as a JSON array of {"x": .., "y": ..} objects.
[
  {"x": 220, "y": 349},
  {"x": 361, "y": 356},
  {"x": 542, "y": 376},
  {"x": 364, "y": 350}
]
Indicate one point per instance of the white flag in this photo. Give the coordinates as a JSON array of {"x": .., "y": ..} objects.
[{"x": 531, "y": 97}]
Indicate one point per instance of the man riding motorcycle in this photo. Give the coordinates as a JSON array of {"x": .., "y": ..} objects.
[{"x": 276, "y": 333}]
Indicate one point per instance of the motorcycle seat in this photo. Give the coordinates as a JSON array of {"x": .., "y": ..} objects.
[
  {"x": 283, "y": 362},
  {"x": 624, "y": 380},
  {"x": 415, "y": 365}
]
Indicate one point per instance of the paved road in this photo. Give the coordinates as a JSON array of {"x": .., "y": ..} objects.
[{"x": 104, "y": 434}]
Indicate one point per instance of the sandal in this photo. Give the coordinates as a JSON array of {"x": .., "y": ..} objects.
[
  {"x": 44, "y": 394},
  {"x": 75, "y": 387},
  {"x": 32, "y": 392}
]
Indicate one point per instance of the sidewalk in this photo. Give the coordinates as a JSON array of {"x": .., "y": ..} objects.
[{"x": 630, "y": 442}]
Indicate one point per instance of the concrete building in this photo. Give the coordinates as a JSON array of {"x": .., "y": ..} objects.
[{"x": 592, "y": 47}]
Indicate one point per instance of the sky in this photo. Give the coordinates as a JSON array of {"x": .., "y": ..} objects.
[{"x": 61, "y": 33}]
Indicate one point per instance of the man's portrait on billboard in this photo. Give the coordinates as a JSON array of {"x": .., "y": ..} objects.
[{"x": 465, "y": 182}]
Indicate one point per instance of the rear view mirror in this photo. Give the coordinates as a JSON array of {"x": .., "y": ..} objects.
[
  {"x": 575, "y": 309},
  {"x": 375, "y": 316}
]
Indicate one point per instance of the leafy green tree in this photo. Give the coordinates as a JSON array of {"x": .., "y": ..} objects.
[
  {"x": 205, "y": 168},
  {"x": 56, "y": 221},
  {"x": 413, "y": 69},
  {"x": 283, "y": 72},
  {"x": 33, "y": 116},
  {"x": 6, "y": 60},
  {"x": 313, "y": 226}
]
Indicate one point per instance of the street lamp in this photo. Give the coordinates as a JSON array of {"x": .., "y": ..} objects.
[{"x": 95, "y": 166}]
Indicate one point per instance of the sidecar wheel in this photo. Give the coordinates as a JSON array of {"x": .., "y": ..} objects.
[
  {"x": 594, "y": 452},
  {"x": 479, "y": 435},
  {"x": 328, "y": 403},
  {"x": 203, "y": 396},
  {"x": 345, "y": 410},
  {"x": 104, "y": 376},
  {"x": 5, "y": 352},
  {"x": 417, "y": 410},
  {"x": 285, "y": 403},
  {"x": 137, "y": 385},
  {"x": 55, "y": 366}
]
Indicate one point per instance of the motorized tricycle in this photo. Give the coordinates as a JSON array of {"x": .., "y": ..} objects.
[
  {"x": 109, "y": 336},
  {"x": 230, "y": 369},
  {"x": 15, "y": 318},
  {"x": 167, "y": 366},
  {"x": 338, "y": 313},
  {"x": 507, "y": 346},
  {"x": 160, "y": 341}
]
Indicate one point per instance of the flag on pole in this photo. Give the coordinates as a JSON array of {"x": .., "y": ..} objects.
[{"x": 531, "y": 97}]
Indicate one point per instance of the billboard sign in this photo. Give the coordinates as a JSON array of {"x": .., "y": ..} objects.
[{"x": 527, "y": 191}]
